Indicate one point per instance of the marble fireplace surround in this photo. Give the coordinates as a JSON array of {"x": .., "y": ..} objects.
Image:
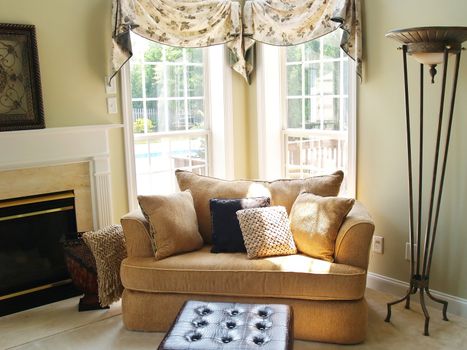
[{"x": 43, "y": 155}]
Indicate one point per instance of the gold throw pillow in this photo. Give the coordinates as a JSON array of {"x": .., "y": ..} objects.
[
  {"x": 173, "y": 223},
  {"x": 281, "y": 192},
  {"x": 266, "y": 232},
  {"x": 315, "y": 222}
]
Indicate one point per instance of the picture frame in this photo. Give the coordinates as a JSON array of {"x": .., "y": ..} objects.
[{"x": 20, "y": 83}]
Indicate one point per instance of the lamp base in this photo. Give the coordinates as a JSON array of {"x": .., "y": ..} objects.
[{"x": 419, "y": 283}]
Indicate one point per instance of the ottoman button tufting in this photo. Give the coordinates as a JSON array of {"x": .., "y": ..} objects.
[
  {"x": 230, "y": 324},
  {"x": 234, "y": 312},
  {"x": 258, "y": 340},
  {"x": 226, "y": 340},
  {"x": 199, "y": 323},
  {"x": 203, "y": 311},
  {"x": 265, "y": 312},
  {"x": 193, "y": 336},
  {"x": 263, "y": 325}
]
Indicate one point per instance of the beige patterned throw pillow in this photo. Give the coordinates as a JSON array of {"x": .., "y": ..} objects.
[
  {"x": 315, "y": 223},
  {"x": 266, "y": 232}
]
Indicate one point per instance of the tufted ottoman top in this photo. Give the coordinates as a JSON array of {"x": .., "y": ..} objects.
[{"x": 208, "y": 325}]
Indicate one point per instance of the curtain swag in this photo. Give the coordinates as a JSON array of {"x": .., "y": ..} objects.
[
  {"x": 200, "y": 23},
  {"x": 182, "y": 23}
]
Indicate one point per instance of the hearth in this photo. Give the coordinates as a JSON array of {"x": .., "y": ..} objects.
[{"x": 32, "y": 264}]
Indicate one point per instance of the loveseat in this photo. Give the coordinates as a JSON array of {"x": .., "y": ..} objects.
[{"x": 327, "y": 297}]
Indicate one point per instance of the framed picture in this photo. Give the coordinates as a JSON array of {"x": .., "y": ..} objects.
[{"x": 20, "y": 82}]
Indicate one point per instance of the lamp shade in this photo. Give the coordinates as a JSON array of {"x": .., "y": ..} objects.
[{"x": 427, "y": 44}]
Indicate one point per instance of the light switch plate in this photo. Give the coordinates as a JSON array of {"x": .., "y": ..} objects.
[
  {"x": 378, "y": 244},
  {"x": 112, "y": 88},
  {"x": 112, "y": 105}
]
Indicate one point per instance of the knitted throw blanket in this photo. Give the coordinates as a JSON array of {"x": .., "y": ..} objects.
[{"x": 109, "y": 249}]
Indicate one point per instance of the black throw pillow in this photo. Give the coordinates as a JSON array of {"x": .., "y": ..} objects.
[{"x": 226, "y": 233}]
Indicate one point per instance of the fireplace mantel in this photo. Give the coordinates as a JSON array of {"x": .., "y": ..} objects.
[{"x": 51, "y": 146}]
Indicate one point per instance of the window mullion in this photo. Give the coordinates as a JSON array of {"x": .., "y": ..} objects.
[
  {"x": 166, "y": 86},
  {"x": 321, "y": 75},
  {"x": 143, "y": 89},
  {"x": 185, "y": 88},
  {"x": 302, "y": 66},
  {"x": 145, "y": 112},
  {"x": 341, "y": 110}
]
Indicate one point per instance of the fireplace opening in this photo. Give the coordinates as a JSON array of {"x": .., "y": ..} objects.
[{"x": 32, "y": 264}]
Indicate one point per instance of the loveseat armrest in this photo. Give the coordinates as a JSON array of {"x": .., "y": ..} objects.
[
  {"x": 354, "y": 238},
  {"x": 136, "y": 230}
]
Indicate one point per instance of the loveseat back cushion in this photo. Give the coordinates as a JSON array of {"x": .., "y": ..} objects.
[
  {"x": 233, "y": 274},
  {"x": 281, "y": 192},
  {"x": 226, "y": 233}
]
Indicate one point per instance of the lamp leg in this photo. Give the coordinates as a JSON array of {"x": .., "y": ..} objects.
[
  {"x": 445, "y": 303},
  {"x": 406, "y": 297},
  {"x": 425, "y": 311},
  {"x": 413, "y": 290},
  {"x": 407, "y": 301}
]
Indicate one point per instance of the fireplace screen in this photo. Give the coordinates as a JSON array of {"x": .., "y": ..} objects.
[{"x": 32, "y": 230}]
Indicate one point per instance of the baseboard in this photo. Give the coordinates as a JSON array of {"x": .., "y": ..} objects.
[{"x": 457, "y": 306}]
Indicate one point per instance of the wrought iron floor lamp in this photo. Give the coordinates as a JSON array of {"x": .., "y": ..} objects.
[{"x": 430, "y": 46}]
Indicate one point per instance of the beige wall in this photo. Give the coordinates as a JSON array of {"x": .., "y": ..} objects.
[
  {"x": 241, "y": 134},
  {"x": 382, "y": 173},
  {"x": 73, "y": 39}
]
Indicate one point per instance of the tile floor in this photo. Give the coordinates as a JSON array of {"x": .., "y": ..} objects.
[{"x": 61, "y": 326}]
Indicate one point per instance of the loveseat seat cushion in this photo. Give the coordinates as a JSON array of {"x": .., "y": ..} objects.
[
  {"x": 233, "y": 274},
  {"x": 282, "y": 192}
]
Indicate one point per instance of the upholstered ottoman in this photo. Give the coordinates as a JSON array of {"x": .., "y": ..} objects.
[{"x": 209, "y": 325}]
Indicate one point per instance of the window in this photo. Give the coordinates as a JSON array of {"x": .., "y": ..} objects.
[
  {"x": 170, "y": 121},
  {"x": 315, "y": 109},
  {"x": 177, "y": 110},
  {"x": 317, "y": 100}
]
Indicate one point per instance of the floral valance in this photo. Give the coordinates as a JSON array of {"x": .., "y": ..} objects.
[
  {"x": 282, "y": 22},
  {"x": 199, "y": 23},
  {"x": 182, "y": 23}
]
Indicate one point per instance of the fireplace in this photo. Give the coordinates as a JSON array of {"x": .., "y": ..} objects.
[
  {"x": 32, "y": 230},
  {"x": 72, "y": 163}
]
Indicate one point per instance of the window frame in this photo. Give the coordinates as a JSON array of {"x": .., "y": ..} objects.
[
  {"x": 271, "y": 91},
  {"x": 218, "y": 131}
]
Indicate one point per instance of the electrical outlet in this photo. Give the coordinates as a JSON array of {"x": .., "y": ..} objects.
[
  {"x": 378, "y": 244},
  {"x": 112, "y": 105},
  {"x": 407, "y": 251}
]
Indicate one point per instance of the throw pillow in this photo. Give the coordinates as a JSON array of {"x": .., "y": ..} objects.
[
  {"x": 281, "y": 192},
  {"x": 315, "y": 222},
  {"x": 226, "y": 233},
  {"x": 266, "y": 232},
  {"x": 173, "y": 223},
  {"x": 108, "y": 247}
]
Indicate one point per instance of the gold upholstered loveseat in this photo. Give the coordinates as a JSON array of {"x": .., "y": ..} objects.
[{"x": 327, "y": 298}]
